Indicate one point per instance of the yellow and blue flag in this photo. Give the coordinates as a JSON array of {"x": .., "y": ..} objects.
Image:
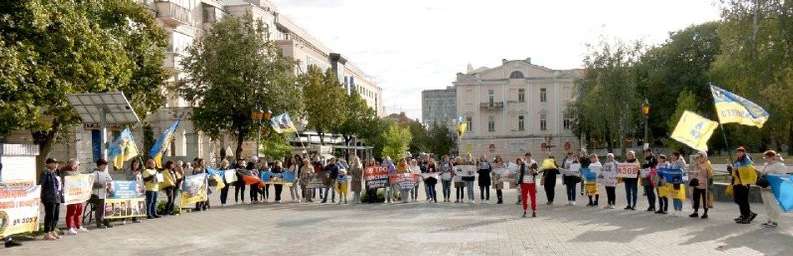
[
  {"x": 694, "y": 130},
  {"x": 462, "y": 126},
  {"x": 161, "y": 144},
  {"x": 282, "y": 123},
  {"x": 732, "y": 108},
  {"x": 122, "y": 149}
]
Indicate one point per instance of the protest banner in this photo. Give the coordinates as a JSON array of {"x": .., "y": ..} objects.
[
  {"x": 589, "y": 174},
  {"x": 119, "y": 208},
  {"x": 467, "y": 170},
  {"x": 575, "y": 170},
  {"x": 627, "y": 170},
  {"x": 19, "y": 208},
  {"x": 317, "y": 181},
  {"x": 375, "y": 177},
  {"x": 403, "y": 180},
  {"x": 283, "y": 178},
  {"x": 77, "y": 188},
  {"x": 608, "y": 179},
  {"x": 428, "y": 175},
  {"x": 122, "y": 189},
  {"x": 230, "y": 176},
  {"x": 671, "y": 175},
  {"x": 194, "y": 189}
]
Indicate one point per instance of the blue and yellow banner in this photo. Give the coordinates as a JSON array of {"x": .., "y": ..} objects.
[
  {"x": 694, "y": 130},
  {"x": 732, "y": 108},
  {"x": 162, "y": 142}
]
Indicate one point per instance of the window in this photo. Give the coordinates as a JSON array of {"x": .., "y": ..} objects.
[
  {"x": 469, "y": 121},
  {"x": 521, "y": 95},
  {"x": 491, "y": 124},
  {"x": 543, "y": 122},
  {"x": 543, "y": 95},
  {"x": 521, "y": 124},
  {"x": 490, "y": 97},
  {"x": 568, "y": 120},
  {"x": 515, "y": 75}
]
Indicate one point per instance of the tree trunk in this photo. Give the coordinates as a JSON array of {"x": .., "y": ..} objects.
[
  {"x": 790, "y": 139},
  {"x": 609, "y": 140},
  {"x": 321, "y": 137},
  {"x": 240, "y": 140},
  {"x": 45, "y": 140}
]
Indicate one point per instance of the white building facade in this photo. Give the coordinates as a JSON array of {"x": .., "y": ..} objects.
[{"x": 515, "y": 108}]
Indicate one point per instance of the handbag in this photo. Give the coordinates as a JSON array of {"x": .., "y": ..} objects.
[
  {"x": 693, "y": 182},
  {"x": 763, "y": 181}
]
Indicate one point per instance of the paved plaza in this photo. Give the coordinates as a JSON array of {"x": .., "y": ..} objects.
[{"x": 422, "y": 228}]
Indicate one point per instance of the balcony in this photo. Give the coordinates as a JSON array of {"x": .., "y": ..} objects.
[
  {"x": 492, "y": 106},
  {"x": 172, "y": 14}
]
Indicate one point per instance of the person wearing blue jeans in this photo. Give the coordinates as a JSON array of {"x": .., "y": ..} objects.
[
  {"x": 631, "y": 184},
  {"x": 151, "y": 204}
]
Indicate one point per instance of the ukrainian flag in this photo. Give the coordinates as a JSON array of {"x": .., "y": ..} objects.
[
  {"x": 732, "y": 108},
  {"x": 462, "y": 126},
  {"x": 123, "y": 149},
  {"x": 694, "y": 130},
  {"x": 282, "y": 123},
  {"x": 162, "y": 142}
]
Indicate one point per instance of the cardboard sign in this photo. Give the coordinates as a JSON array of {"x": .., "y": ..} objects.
[
  {"x": 627, "y": 170},
  {"x": 77, "y": 188}
]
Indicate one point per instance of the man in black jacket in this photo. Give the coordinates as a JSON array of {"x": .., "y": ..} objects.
[
  {"x": 51, "y": 198},
  {"x": 333, "y": 172}
]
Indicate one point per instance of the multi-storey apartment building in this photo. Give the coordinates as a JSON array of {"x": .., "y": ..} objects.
[
  {"x": 439, "y": 106},
  {"x": 515, "y": 108}
]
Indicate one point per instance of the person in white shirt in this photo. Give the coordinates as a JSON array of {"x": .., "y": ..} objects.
[
  {"x": 608, "y": 177},
  {"x": 101, "y": 189},
  {"x": 773, "y": 165}
]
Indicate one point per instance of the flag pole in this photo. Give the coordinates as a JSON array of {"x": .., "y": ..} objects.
[{"x": 721, "y": 126}]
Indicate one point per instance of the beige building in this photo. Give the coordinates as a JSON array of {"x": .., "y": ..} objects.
[
  {"x": 184, "y": 21},
  {"x": 515, "y": 108}
]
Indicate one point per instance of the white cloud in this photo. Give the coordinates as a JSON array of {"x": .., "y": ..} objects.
[{"x": 409, "y": 46}]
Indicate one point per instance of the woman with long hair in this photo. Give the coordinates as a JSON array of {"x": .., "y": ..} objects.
[{"x": 356, "y": 173}]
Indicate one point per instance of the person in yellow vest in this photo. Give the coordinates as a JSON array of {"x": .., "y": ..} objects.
[
  {"x": 151, "y": 180},
  {"x": 744, "y": 175},
  {"x": 168, "y": 185},
  {"x": 549, "y": 170}
]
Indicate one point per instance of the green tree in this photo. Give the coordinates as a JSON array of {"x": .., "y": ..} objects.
[
  {"x": 325, "y": 106},
  {"x": 420, "y": 141},
  {"x": 51, "y": 48},
  {"x": 396, "y": 140},
  {"x": 358, "y": 117},
  {"x": 373, "y": 135},
  {"x": 608, "y": 102},
  {"x": 235, "y": 69},
  {"x": 441, "y": 141},
  {"x": 757, "y": 63}
]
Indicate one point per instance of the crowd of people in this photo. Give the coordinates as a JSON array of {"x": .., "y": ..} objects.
[{"x": 339, "y": 177}]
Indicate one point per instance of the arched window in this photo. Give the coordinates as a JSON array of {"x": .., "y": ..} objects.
[{"x": 515, "y": 75}]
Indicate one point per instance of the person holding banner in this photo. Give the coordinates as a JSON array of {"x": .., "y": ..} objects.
[
  {"x": 485, "y": 168},
  {"x": 306, "y": 172},
  {"x": 168, "y": 185},
  {"x": 664, "y": 188},
  {"x": 631, "y": 183},
  {"x": 51, "y": 198},
  {"x": 608, "y": 176},
  {"x": 744, "y": 175},
  {"x": 415, "y": 170},
  {"x": 773, "y": 165},
  {"x": 549, "y": 170},
  {"x": 678, "y": 192},
  {"x": 278, "y": 169},
  {"x": 239, "y": 186},
  {"x": 527, "y": 176},
  {"x": 198, "y": 168},
  {"x": 151, "y": 180},
  {"x": 431, "y": 180},
  {"x": 497, "y": 179},
  {"x": 253, "y": 188},
  {"x": 591, "y": 185},
  {"x": 293, "y": 166},
  {"x": 459, "y": 184},
  {"x": 332, "y": 172},
  {"x": 224, "y": 192},
  {"x": 571, "y": 177},
  {"x": 447, "y": 172},
  {"x": 647, "y": 173},
  {"x": 701, "y": 177},
  {"x": 101, "y": 188},
  {"x": 74, "y": 212},
  {"x": 390, "y": 192}
]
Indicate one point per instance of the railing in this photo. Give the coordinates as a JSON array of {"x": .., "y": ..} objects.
[
  {"x": 172, "y": 13},
  {"x": 499, "y": 105}
]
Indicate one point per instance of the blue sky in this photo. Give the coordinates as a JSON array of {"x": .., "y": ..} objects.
[{"x": 412, "y": 45}]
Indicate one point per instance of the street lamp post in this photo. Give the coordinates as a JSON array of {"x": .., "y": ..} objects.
[
  {"x": 646, "y": 113},
  {"x": 257, "y": 116}
]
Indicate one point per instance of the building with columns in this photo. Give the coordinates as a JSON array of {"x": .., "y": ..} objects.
[{"x": 515, "y": 108}]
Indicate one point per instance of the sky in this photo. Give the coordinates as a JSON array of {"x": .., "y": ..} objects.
[{"x": 408, "y": 46}]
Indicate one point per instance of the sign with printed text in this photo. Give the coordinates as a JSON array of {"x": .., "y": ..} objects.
[
  {"x": 19, "y": 208},
  {"x": 77, "y": 188},
  {"x": 627, "y": 170},
  {"x": 375, "y": 177},
  {"x": 403, "y": 180},
  {"x": 125, "y": 189},
  {"x": 230, "y": 176}
]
